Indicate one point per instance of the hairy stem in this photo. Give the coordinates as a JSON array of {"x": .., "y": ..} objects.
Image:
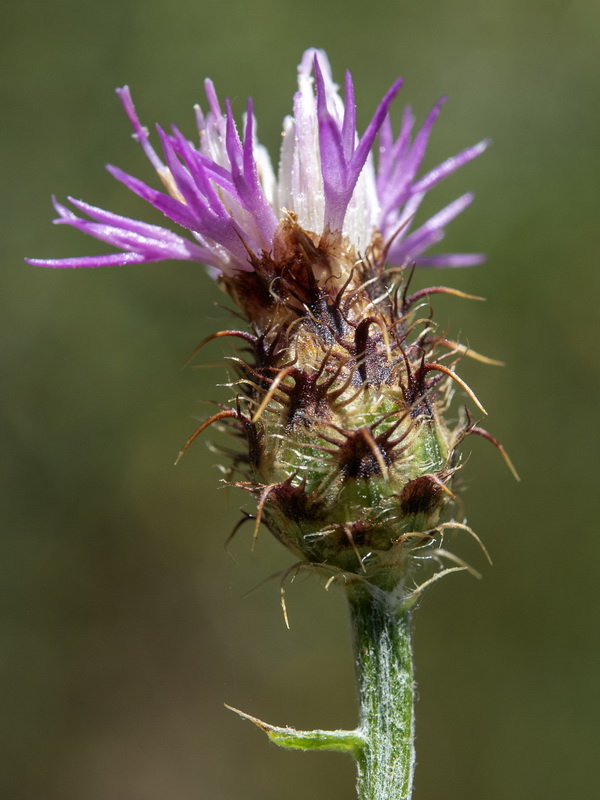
[{"x": 382, "y": 646}]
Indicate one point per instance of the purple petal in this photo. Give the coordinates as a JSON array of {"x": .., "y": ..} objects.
[
  {"x": 428, "y": 234},
  {"x": 256, "y": 201},
  {"x": 452, "y": 260},
  {"x": 391, "y": 160},
  {"x": 417, "y": 152},
  {"x": 333, "y": 162},
  {"x": 349, "y": 123},
  {"x": 213, "y": 100},
  {"x": 145, "y": 242},
  {"x": 449, "y": 165},
  {"x": 245, "y": 177},
  {"x": 203, "y": 171},
  {"x": 368, "y": 137},
  {"x": 173, "y": 209},
  {"x": 341, "y": 160},
  {"x": 113, "y": 260},
  {"x": 394, "y": 183},
  {"x": 108, "y": 217},
  {"x": 386, "y": 142},
  {"x": 222, "y": 230},
  {"x": 182, "y": 179},
  {"x": 141, "y": 133}
]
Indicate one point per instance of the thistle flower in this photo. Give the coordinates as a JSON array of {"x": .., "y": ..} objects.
[
  {"x": 341, "y": 403},
  {"x": 344, "y": 379}
]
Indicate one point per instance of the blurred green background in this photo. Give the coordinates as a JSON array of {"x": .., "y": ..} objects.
[{"x": 124, "y": 624}]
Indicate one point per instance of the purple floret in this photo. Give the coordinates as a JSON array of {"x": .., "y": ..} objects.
[
  {"x": 342, "y": 156},
  {"x": 223, "y": 193}
]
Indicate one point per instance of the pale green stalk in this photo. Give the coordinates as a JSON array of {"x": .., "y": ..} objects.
[
  {"x": 383, "y": 742},
  {"x": 384, "y": 672}
]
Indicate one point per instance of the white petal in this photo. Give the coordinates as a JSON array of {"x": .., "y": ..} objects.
[
  {"x": 300, "y": 179},
  {"x": 361, "y": 218}
]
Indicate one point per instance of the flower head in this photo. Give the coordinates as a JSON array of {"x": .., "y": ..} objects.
[
  {"x": 224, "y": 194},
  {"x": 341, "y": 402}
]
